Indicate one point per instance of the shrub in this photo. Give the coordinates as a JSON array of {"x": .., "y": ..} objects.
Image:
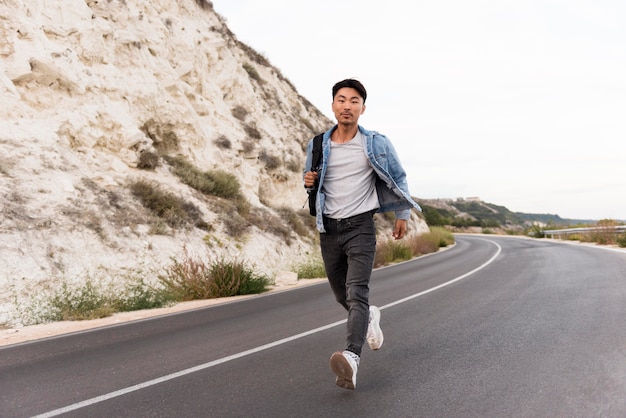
[
  {"x": 600, "y": 237},
  {"x": 192, "y": 279},
  {"x": 271, "y": 162},
  {"x": 252, "y": 131},
  {"x": 293, "y": 165},
  {"x": 137, "y": 295},
  {"x": 188, "y": 279},
  {"x": 268, "y": 222},
  {"x": 295, "y": 221},
  {"x": 312, "y": 268},
  {"x": 232, "y": 278},
  {"x": 89, "y": 300},
  {"x": 252, "y": 72},
  {"x": 248, "y": 146},
  {"x": 223, "y": 142},
  {"x": 148, "y": 160},
  {"x": 86, "y": 302},
  {"x": 239, "y": 112},
  {"x": 216, "y": 182},
  {"x": 390, "y": 251},
  {"x": 205, "y": 4},
  {"x": 225, "y": 185},
  {"x": 621, "y": 240},
  {"x": 442, "y": 236},
  {"x": 176, "y": 212}
]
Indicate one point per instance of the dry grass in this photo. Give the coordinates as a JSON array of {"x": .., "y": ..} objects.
[{"x": 392, "y": 251}]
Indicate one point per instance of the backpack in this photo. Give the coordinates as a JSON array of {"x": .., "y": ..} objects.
[{"x": 315, "y": 165}]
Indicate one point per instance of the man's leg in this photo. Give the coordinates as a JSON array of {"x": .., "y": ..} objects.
[
  {"x": 360, "y": 247},
  {"x": 335, "y": 262},
  {"x": 348, "y": 249}
]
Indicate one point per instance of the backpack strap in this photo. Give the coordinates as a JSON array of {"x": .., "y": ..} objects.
[
  {"x": 316, "y": 159},
  {"x": 316, "y": 152}
]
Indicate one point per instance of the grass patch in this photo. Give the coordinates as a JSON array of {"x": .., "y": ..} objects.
[
  {"x": 187, "y": 279},
  {"x": 92, "y": 300}
]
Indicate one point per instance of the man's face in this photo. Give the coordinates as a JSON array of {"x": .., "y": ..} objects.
[{"x": 348, "y": 106}]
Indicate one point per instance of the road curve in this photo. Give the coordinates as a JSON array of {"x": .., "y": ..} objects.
[{"x": 493, "y": 327}]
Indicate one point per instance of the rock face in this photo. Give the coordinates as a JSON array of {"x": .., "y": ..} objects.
[{"x": 95, "y": 96}]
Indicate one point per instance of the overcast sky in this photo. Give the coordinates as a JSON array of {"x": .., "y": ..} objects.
[{"x": 519, "y": 102}]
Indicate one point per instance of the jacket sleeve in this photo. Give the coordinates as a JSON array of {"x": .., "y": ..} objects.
[{"x": 395, "y": 196}]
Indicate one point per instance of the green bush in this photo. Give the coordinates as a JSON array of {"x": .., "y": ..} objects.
[
  {"x": 192, "y": 279},
  {"x": 176, "y": 212},
  {"x": 313, "y": 268},
  {"x": 621, "y": 240},
  {"x": 216, "y": 183},
  {"x": 231, "y": 278},
  {"x": 85, "y": 302},
  {"x": 137, "y": 295}
]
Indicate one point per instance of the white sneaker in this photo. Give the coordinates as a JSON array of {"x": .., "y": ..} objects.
[
  {"x": 374, "y": 333},
  {"x": 344, "y": 365}
]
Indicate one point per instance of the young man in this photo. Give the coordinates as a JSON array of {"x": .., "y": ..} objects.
[{"x": 359, "y": 174}]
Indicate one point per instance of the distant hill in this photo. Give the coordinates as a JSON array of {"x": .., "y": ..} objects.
[{"x": 474, "y": 213}]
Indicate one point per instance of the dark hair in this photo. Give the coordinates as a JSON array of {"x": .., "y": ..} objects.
[{"x": 349, "y": 82}]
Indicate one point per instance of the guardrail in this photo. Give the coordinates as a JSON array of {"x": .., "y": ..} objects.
[{"x": 559, "y": 233}]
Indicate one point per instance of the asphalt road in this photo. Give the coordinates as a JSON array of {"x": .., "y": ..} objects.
[{"x": 493, "y": 327}]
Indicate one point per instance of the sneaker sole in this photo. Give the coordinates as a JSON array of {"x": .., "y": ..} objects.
[
  {"x": 343, "y": 383},
  {"x": 340, "y": 366}
]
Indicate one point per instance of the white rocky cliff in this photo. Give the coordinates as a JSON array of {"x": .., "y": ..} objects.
[{"x": 89, "y": 91}]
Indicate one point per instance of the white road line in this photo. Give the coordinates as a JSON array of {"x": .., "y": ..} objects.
[
  {"x": 226, "y": 359},
  {"x": 432, "y": 289}
]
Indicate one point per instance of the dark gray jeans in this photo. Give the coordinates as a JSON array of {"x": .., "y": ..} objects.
[{"x": 348, "y": 249}]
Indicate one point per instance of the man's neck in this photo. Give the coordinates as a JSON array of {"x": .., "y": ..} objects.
[{"x": 344, "y": 133}]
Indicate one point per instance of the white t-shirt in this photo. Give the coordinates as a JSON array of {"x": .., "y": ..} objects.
[{"x": 349, "y": 183}]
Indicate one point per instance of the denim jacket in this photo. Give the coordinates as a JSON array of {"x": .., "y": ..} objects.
[{"x": 391, "y": 184}]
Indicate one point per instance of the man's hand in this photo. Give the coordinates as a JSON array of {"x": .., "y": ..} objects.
[
  {"x": 399, "y": 230},
  {"x": 309, "y": 179}
]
